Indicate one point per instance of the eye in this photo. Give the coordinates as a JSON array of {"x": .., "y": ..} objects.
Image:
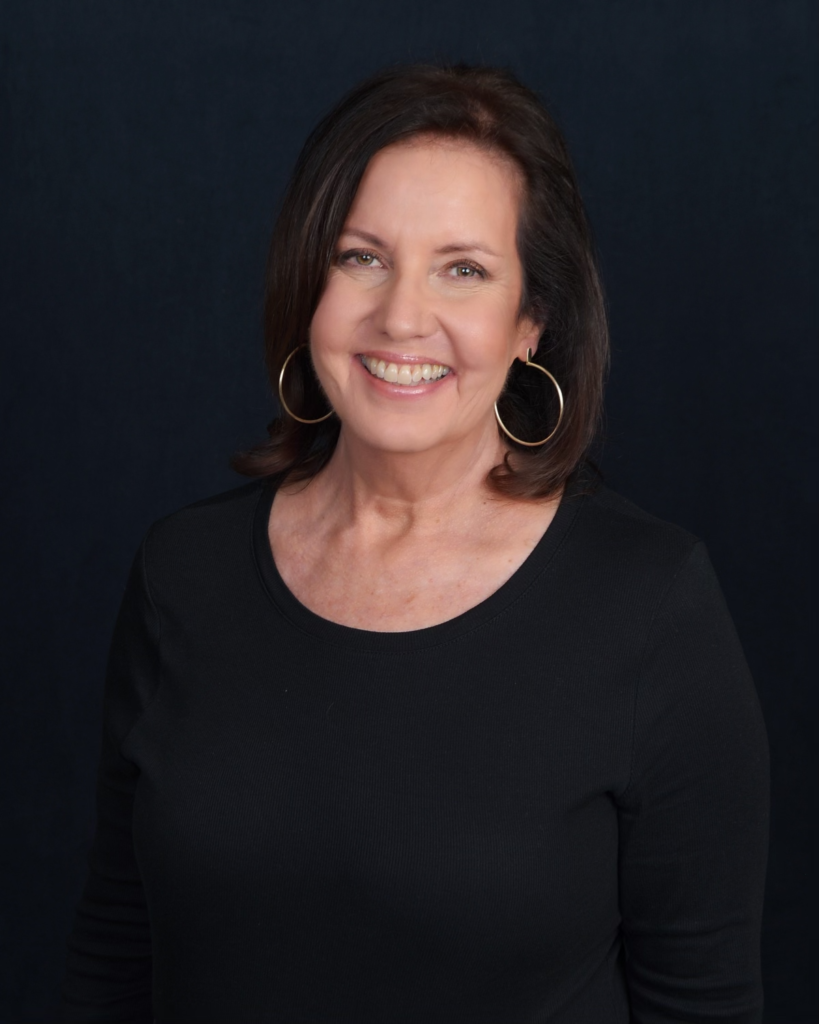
[
  {"x": 466, "y": 271},
  {"x": 359, "y": 258}
]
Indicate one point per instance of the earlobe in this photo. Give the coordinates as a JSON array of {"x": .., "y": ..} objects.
[{"x": 529, "y": 334}]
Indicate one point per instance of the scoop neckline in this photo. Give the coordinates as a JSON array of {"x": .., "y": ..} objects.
[{"x": 351, "y": 637}]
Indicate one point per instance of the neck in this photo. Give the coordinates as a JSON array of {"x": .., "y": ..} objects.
[{"x": 407, "y": 490}]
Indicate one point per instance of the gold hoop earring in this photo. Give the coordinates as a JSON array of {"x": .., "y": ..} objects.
[
  {"x": 285, "y": 406},
  {"x": 535, "y": 444}
]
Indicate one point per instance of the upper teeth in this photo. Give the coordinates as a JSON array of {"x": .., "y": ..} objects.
[{"x": 404, "y": 373}]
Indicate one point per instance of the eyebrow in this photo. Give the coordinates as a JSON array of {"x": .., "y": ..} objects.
[{"x": 445, "y": 250}]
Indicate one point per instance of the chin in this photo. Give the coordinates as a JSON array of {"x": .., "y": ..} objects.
[{"x": 400, "y": 439}]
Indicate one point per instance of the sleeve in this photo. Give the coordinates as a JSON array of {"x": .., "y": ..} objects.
[
  {"x": 108, "y": 968},
  {"x": 694, "y": 817}
]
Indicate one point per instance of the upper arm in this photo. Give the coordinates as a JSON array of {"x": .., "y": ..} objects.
[
  {"x": 694, "y": 818},
  {"x": 108, "y": 967}
]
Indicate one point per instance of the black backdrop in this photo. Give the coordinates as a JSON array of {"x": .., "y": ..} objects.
[{"x": 145, "y": 147}]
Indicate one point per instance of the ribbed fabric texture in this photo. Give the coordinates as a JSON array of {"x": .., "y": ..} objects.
[{"x": 552, "y": 808}]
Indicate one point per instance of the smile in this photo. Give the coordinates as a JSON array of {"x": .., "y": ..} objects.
[{"x": 404, "y": 373}]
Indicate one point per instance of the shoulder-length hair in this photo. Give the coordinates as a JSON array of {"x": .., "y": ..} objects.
[{"x": 561, "y": 292}]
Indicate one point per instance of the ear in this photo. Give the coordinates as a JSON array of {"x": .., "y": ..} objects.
[{"x": 528, "y": 336}]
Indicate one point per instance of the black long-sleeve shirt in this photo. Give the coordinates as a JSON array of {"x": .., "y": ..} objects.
[{"x": 552, "y": 807}]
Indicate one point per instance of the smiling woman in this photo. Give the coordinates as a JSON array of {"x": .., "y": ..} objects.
[
  {"x": 490, "y": 163},
  {"x": 420, "y": 298},
  {"x": 411, "y": 341},
  {"x": 425, "y": 724}
]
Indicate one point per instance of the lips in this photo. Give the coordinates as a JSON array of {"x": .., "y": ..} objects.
[{"x": 402, "y": 373}]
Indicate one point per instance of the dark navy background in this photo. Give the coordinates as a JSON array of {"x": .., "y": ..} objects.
[{"x": 144, "y": 151}]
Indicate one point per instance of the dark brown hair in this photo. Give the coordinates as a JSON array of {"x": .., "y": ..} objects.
[{"x": 490, "y": 108}]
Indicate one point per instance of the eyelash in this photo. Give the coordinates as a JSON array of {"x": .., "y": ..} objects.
[{"x": 350, "y": 253}]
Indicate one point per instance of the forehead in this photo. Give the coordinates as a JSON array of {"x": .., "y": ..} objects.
[{"x": 439, "y": 183}]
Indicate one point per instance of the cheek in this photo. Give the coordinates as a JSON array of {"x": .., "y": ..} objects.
[
  {"x": 339, "y": 316},
  {"x": 328, "y": 321},
  {"x": 485, "y": 337},
  {"x": 336, "y": 324}
]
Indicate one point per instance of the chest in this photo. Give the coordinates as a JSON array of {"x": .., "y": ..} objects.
[
  {"x": 450, "y": 794},
  {"x": 336, "y": 808},
  {"x": 410, "y": 584}
]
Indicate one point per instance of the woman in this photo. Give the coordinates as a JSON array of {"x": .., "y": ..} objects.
[{"x": 424, "y": 724}]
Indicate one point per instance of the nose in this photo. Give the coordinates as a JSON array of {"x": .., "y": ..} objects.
[{"x": 405, "y": 311}]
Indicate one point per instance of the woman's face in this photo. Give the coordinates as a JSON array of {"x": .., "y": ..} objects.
[{"x": 418, "y": 324}]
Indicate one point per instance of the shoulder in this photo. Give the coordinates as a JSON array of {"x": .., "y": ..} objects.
[
  {"x": 624, "y": 551},
  {"x": 204, "y": 533},
  {"x": 624, "y": 528},
  {"x": 653, "y": 581}
]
